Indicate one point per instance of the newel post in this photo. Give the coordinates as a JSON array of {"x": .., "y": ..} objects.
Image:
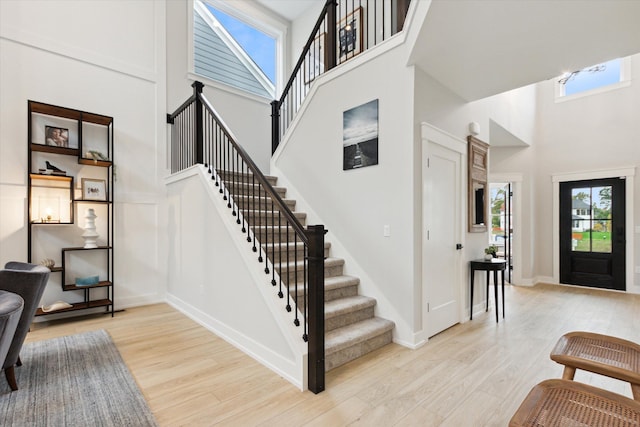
[
  {"x": 275, "y": 125},
  {"x": 197, "y": 92},
  {"x": 315, "y": 316},
  {"x": 332, "y": 38}
]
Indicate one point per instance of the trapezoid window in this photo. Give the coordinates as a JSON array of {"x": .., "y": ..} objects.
[{"x": 233, "y": 52}]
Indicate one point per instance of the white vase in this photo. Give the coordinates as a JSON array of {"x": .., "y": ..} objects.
[
  {"x": 488, "y": 257},
  {"x": 90, "y": 236}
]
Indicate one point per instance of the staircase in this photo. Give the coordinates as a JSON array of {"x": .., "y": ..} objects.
[{"x": 351, "y": 327}]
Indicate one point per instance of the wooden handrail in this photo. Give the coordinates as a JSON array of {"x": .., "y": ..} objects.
[{"x": 295, "y": 223}]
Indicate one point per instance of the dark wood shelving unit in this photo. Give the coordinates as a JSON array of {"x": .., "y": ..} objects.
[
  {"x": 79, "y": 306},
  {"x": 73, "y": 287},
  {"x": 86, "y": 135}
]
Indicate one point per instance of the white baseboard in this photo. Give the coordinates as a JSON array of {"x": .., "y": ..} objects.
[{"x": 283, "y": 367}]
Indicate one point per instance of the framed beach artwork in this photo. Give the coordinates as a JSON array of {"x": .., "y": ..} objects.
[{"x": 360, "y": 136}]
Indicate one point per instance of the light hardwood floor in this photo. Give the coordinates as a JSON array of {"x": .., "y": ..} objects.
[{"x": 473, "y": 374}]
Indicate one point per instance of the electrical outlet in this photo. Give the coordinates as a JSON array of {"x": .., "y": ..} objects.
[{"x": 386, "y": 231}]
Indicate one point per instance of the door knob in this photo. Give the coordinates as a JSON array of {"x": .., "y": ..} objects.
[{"x": 459, "y": 246}]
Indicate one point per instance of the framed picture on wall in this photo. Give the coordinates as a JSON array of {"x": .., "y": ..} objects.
[
  {"x": 350, "y": 35},
  {"x": 360, "y": 136},
  {"x": 94, "y": 189}
]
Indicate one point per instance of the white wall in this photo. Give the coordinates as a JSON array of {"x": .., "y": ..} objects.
[
  {"x": 216, "y": 279},
  {"x": 81, "y": 55},
  {"x": 515, "y": 111},
  {"x": 301, "y": 31},
  {"x": 355, "y": 205},
  {"x": 584, "y": 134},
  {"x": 248, "y": 116}
]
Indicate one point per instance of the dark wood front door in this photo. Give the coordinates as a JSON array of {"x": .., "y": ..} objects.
[{"x": 592, "y": 233}]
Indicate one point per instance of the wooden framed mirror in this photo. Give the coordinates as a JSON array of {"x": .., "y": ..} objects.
[{"x": 477, "y": 189}]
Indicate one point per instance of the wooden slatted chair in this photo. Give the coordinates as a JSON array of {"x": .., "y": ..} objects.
[
  {"x": 601, "y": 354},
  {"x": 569, "y": 403}
]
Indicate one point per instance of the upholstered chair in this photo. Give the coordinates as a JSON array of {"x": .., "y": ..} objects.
[
  {"x": 28, "y": 281},
  {"x": 10, "y": 310}
]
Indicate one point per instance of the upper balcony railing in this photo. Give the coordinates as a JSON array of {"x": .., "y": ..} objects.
[{"x": 344, "y": 29}]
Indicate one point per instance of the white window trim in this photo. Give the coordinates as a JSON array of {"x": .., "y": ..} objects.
[
  {"x": 253, "y": 16},
  {"x": 625, "y": 81}
]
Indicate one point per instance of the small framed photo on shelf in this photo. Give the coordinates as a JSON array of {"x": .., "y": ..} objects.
[
  {"x": 94, "y": 189},
  {"x": 56, "y": 137}
]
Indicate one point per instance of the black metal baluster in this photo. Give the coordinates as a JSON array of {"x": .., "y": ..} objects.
[
  {"x": 219, "y": 159},
  {"x": 273, "y": 279},
  {"x": 288, "y": 306},
  {"x": 250, "y": 206},
  {"x": 384, "y": 22},
  {"x": 263, "y": 229},
  {"x": 296, "y": 321},
  {"x": 305, "y": 288},
  {"x": 234, "y": 187},
  {"x": 223, "y": 174},
  {"x": 208, "y": 146},
  {"x": 181, "y": 146},
  {"x": 254, "y": 217},
  {"x": 245, "y": 184},
  {"x": 266, "y": 243},
  {"x": 228, "y": 180}
]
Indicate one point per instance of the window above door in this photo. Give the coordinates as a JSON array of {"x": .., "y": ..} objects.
[{"x": 594, "y": 79}]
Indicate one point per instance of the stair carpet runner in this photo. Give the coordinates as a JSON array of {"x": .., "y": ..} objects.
[{"x": 351, "y": 328}]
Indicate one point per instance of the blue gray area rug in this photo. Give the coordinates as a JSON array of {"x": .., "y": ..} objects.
[{"x": 78, "y": 380}]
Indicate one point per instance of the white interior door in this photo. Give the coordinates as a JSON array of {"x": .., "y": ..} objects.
[{"x": 442, "y": 212}]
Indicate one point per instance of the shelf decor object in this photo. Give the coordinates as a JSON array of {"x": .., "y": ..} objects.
[
  {"x": 90, "y": 235},
  {"x": 65, "y": 146},
  {"x": 87, "y": 281}
]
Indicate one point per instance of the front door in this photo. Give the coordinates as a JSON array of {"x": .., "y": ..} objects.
[
  {"x": 442, "y": 219},
  {"x": 592, "y": 233}
]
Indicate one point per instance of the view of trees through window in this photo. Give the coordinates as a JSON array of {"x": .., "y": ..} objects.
[
  {"x": 591, "y": 219},
  {"x": 593, "y": 77}
]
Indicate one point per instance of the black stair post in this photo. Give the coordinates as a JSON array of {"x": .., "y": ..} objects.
[
  {"x": 332, "y": 38},
  {"x": 315, "y": 317},
  {"x": 275, "y": 125},
  {"x": 197, "y": 91}
]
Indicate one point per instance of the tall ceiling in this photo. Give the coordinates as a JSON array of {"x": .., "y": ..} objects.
[
  {"x": 479, "y": 48},
  {"x": 289, "y": 9}
]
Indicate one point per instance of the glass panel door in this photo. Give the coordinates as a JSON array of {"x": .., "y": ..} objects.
[{"x": 592, "y": 233}]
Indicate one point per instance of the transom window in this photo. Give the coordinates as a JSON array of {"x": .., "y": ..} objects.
[{"x": 594, "y": 79}]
